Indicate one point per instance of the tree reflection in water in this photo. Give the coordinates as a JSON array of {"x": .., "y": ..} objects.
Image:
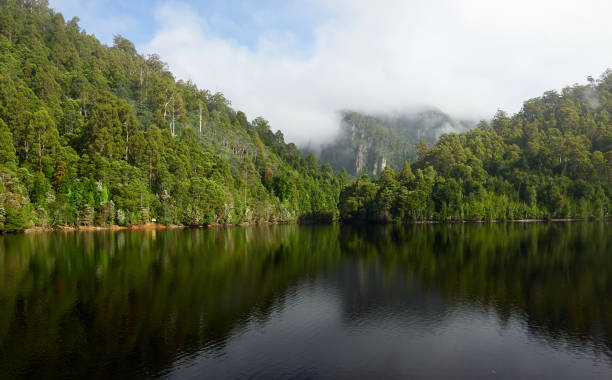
[{"x": 130, "y": 303}]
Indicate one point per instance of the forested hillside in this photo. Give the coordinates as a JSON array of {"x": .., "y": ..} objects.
[
  {"x": 553, "y": 159},
  {"x": 98, "y": 135},
  {"x": 366, "y": 144}
]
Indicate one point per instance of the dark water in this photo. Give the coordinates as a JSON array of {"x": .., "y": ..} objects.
[{"x": 448, "y": 301}]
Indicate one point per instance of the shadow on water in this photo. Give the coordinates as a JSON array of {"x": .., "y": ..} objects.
[{"x": 133, "y": 303}]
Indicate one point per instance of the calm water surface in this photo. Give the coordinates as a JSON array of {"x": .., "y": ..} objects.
[{"x": 500, "y": 301}]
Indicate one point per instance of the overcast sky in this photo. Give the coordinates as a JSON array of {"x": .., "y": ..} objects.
[{"x": 296, "y": 63}]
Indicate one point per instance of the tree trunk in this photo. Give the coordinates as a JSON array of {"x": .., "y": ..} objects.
[
  {"x": 173, "y": 118},
  {"x": 40, "y": 149},
  {"x": 127, "y": 141}
]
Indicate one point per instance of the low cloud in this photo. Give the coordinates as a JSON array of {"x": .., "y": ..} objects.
[{"x": 468, "y": 58}]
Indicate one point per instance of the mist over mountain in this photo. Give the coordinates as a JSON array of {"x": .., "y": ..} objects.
[
  {"x": 425, "y": 125},
  {"x": 366, "y": 144}
]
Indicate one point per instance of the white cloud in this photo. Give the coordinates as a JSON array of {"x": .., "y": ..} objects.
[{"x": 468, "y": 58}]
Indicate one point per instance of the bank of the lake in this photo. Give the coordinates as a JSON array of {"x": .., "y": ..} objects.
[{"x": 158, "y": 226}]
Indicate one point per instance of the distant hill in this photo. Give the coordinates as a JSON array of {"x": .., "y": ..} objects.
[{"x": 366, "y": 144}]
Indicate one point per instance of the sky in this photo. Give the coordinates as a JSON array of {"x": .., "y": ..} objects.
[{"x": 297, "y": 63}]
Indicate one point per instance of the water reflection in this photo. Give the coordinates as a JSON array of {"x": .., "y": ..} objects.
[{"x": 315, "y": 301}]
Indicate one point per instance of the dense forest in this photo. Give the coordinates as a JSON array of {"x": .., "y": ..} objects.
[
  {"x": 99, "y": 135},
  {"x": 553, "y": 159}
]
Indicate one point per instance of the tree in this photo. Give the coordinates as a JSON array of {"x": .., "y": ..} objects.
[
  {"x": 406, "y": 174},
  {"x": 8, "y": 156},
  {"x": 45, "y": 139}
]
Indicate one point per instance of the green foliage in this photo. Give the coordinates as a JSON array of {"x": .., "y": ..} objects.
[
  {"x": 553, "y": 159},
  {"x": 91, "y": 134},
  {"x": 7, "y": 149}
]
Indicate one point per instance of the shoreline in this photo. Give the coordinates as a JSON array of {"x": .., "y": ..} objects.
[
  {"x": 136, "y": 227},
  {"x": 552, "y": 220},
  {"x": 156, "y": 227}
]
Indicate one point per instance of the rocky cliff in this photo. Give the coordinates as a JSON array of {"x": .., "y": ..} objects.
[{"x": 366, "y": 144}]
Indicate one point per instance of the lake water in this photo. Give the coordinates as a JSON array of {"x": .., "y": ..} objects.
[{"x": 491, "y": 301}]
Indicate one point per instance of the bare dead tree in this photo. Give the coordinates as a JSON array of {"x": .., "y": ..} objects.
[
  {"x": 200, "y": 118},
  {"x": 172, "y": 124},
  {"x": 127, "y": 140}
]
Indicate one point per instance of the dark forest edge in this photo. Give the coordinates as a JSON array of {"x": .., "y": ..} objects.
[{"x": 92, "y": 135}]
